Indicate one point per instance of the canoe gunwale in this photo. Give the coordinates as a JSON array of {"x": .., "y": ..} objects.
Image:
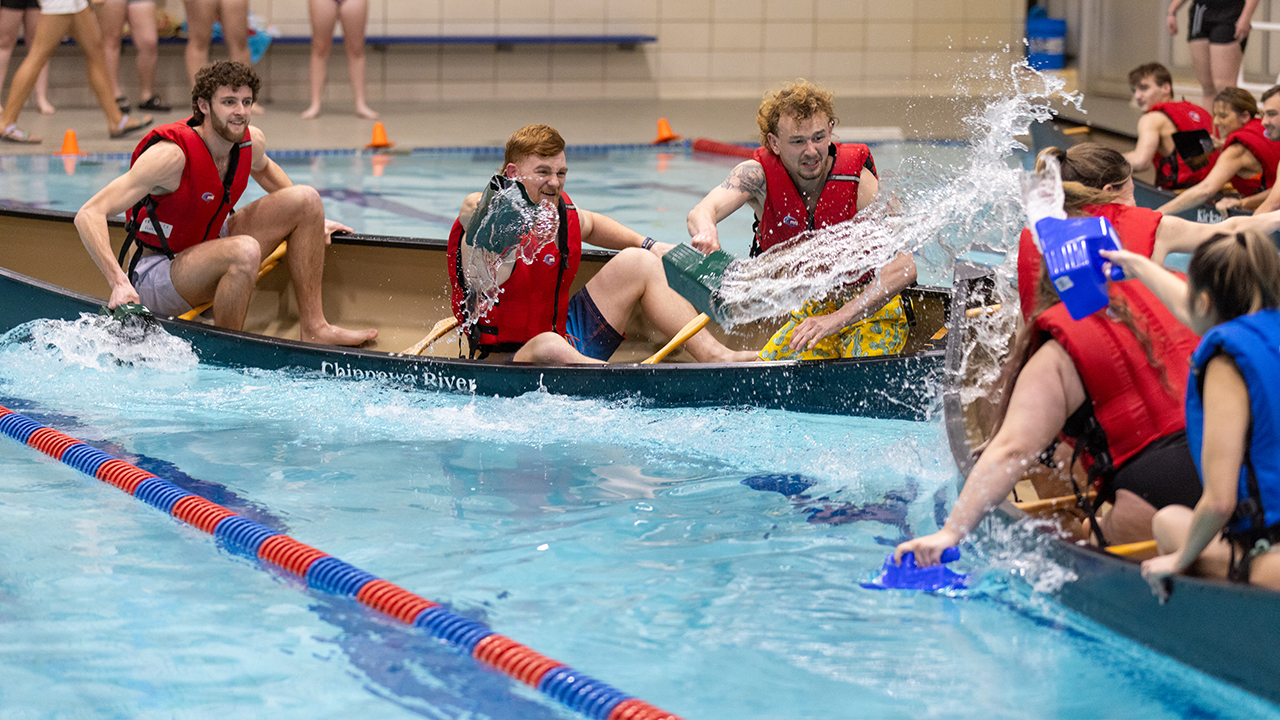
[{"x": 892, "y": 387}]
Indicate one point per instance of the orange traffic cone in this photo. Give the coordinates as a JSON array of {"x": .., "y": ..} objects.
[
  {"x": 379, "y": 137},
  {"x": 664, "y": 132},
  {"x": 70, "y": 146}
]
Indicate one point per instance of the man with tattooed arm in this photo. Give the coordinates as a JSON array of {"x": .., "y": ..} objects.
[{"x": 799, "y": 181}]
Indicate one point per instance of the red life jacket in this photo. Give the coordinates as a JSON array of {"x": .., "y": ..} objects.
[
  {"x": 1137, "y": 230},
  {"x": 1172, "y": 171},
  {"x": 195, "y": 211},
  {"x": 785, "y": 215},
  {"x": 1129, "y": 400},
  {"x": 535, "y": 298},
  {"x": 1254, "y": 139}
]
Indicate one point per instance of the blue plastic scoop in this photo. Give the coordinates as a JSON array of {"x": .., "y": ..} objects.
[{"x": 909, "y": 577}]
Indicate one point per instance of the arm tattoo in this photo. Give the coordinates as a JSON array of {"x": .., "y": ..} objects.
[{"x": 746, "y": 178}]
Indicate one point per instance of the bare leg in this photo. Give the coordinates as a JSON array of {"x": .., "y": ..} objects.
[
  {"x": 1224, "y": 60},
  {"x": 111, "y": 15},
  {"x": 355, "y": 17},
  {"x": 1129, "y": 520},
  {"x": 296, "y": 214},
  {"x": 550, "y": 348},
  {"x": 200, "y": 17},
  {"x": 324, "y": 16},
  {"x": 49, "y": 33},
  {"x": 1204, "y": 72},
  {"x": 225, "y": 271},
  {"x": 146, "y": 42},
  {"x": 84, "y": 28},
  {"x": 42, "y": 80},
  {"x": 636, "y": 276},
  {"x": 10, "y": 25}
]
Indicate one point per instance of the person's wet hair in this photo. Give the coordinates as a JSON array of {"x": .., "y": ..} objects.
[
  {"x": 540, "y": 140},
  {"x": 225, "y": 73},
  {"x": 801, "y": 99},
  {"x": 1240, "y": 271}
]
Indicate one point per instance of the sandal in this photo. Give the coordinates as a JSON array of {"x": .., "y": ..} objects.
[
  {"x": 14, "y": 135},
  {"x": 122, "y": 102},
  {"x": 126, "y": 129},
  {"x": 154, "y": 104}
]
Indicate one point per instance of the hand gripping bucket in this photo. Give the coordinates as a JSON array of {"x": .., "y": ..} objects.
[{"x": 1074, "y": 264}]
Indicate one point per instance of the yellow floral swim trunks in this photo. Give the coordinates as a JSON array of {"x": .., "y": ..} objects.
[{"x": 884, "y": 333}]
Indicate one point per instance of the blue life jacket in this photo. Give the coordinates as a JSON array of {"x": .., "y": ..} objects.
[{"x": 1253, "y": 342}]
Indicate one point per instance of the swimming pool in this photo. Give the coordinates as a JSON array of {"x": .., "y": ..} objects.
[
  {"x": 625, "y": 541},
  {"x": 618, "y": 539},
  {"x": 650, "y": 190}
]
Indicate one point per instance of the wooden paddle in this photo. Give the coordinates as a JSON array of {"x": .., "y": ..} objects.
[
  {"x": 1032, "y": 507},
  {"x": 440, "y": 329},
  {"x": 1136, "y": 548},
  {"x": 689, "y": 330},
  {"x": 267, "y": 266}
]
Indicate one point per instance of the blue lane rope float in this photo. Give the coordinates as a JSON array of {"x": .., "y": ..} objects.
[{"x": 328, "y": 574}]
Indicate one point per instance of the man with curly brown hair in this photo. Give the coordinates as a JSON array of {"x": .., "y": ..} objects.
[
  {"x": 800, "y": 181},
  {"x": 183, "y": 181}
]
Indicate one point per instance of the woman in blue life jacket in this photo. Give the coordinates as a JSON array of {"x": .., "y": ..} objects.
[{"x": 1231, "y": 296}]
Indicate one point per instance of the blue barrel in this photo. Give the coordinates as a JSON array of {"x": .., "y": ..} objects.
[{"x": 1046, "y": 40}]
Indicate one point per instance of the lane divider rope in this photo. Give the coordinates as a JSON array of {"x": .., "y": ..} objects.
[{"x": 328, "y": 574}]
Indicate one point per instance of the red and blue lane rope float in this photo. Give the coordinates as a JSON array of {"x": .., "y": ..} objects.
[{"x": 326, "y": 573}]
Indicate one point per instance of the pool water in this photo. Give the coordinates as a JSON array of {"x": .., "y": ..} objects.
[
  {"x": 618, "y": 539},
  {"x": 419, "y": 194}
]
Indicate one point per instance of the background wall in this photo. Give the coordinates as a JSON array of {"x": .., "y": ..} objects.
[{"x": 705, "y": 49}]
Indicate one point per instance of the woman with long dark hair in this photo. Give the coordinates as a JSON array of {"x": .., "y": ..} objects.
[{"x": 1113, "y": 381}]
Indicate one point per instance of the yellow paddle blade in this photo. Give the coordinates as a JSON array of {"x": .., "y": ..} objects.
[
  {"x": 1131, "y": 549},
  {"x": 689, "y": 330},
  {"x": 440, "y": 329}
]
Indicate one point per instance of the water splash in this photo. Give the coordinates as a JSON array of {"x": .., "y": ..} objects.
[
  {"x": 508, "y": 228},
  {"x": 939, "y": 213},
  {"x": 97, "y": 342},
  {"x": 1023, "y": 549}
]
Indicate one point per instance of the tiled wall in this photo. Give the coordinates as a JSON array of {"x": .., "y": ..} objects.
[{"x": 705, "y": 48}]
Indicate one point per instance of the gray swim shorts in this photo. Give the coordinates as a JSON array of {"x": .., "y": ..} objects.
[{"x": 155, "y": 287}]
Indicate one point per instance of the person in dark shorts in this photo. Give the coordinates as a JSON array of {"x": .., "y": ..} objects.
[
  {"x": 1216, "y": 36},
  {"x": 522, "y": 237},
  {"x": 15, "y": 16}
]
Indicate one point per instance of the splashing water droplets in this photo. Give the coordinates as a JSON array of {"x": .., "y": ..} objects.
[
  {"x": 98, "y": 342},
  {"x": 939, "y": 213}
]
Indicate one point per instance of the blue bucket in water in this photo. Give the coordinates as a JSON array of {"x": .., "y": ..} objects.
[
  {"x": 1046, "y": 40},
  {"x": 1074, "y": 264}
]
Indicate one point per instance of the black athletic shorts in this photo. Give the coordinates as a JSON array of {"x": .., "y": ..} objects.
[
  {"x": 20, "y": 4},
  {"x": 1163, "y": 473},
  {"x": 1215, "y": 21}
]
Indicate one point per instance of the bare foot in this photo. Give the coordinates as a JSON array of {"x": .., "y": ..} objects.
[
  {"x": 365, "y": 112},
  {"x": 45, "y": 107},
  {"x": 311, "y": 113},
  {"x": 334, "y": 335}
]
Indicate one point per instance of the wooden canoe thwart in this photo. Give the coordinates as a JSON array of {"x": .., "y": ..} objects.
[
  {"x": 1224, "y": 629},
  {"x": 400, "y": 286}
]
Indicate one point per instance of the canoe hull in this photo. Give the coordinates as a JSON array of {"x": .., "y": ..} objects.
[{"x": 901, "y": 388}]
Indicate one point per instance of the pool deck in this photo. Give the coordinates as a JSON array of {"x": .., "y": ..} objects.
[{"x": 488, "y": 123}]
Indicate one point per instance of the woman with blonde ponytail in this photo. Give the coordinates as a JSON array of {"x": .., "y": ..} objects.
[
  {"x": 1111, "y": 382},
  {"x": 1232, "y": 296}
]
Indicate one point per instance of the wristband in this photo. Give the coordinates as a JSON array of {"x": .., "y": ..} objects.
[{"x": 647, "y": 243}]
